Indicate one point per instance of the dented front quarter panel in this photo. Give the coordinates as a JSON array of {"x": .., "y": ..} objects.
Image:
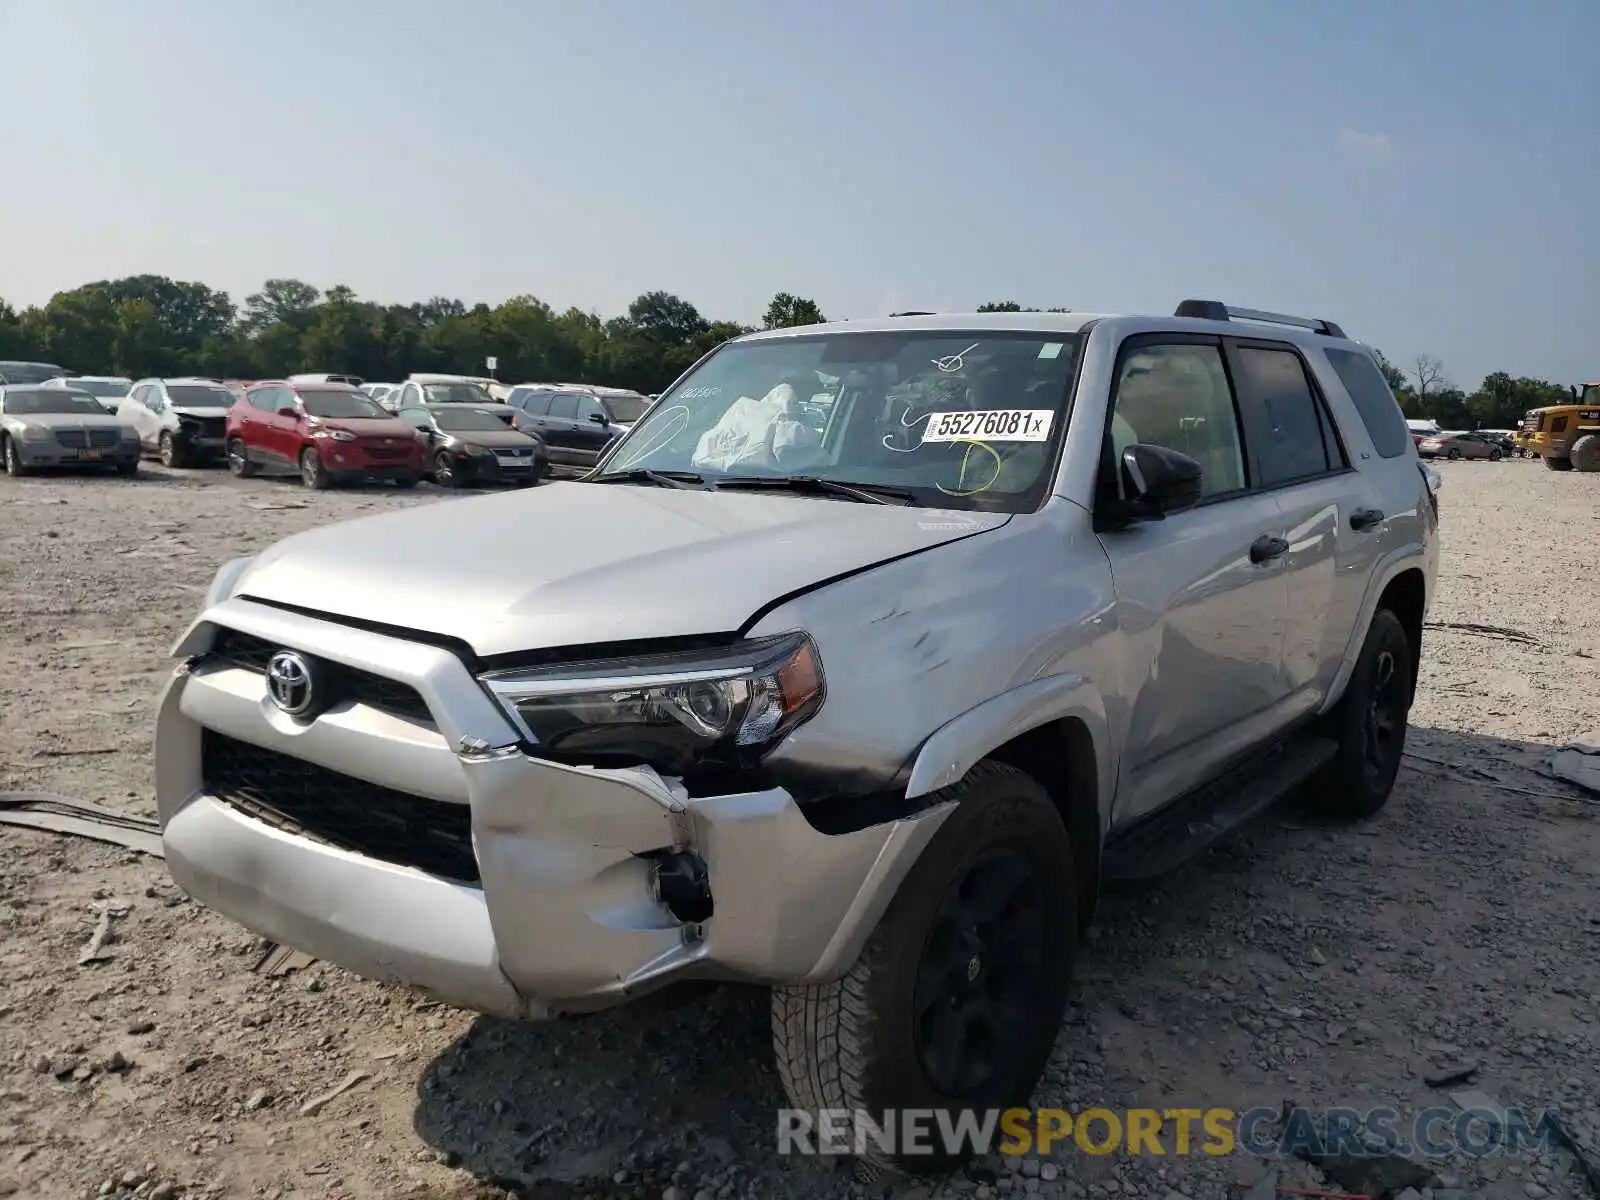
[{"x": 976, "y": 643}]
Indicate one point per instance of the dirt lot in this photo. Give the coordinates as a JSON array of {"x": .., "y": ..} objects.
[{"x": 1327, "y": 965}]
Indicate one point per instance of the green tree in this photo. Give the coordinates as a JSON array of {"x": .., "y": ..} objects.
[
  {"x": 1002, "y": 306},
  {"x": 787, "y": 311}
]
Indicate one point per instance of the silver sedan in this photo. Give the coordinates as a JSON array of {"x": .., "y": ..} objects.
[{"x": 62, "y": 427}]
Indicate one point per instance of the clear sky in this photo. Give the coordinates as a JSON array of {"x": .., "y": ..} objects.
[{"x": 1427, "y": 173}]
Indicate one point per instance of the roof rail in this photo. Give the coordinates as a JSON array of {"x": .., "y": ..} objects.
[
  {"x": 1216, "y": 310},
  {"x": 913, "y": 314}
]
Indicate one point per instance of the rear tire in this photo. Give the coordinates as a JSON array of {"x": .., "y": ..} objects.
[
  {"x": 1495, "y": 456},
  {"x": 1369, "y": 724},
  {"x": 1585, "y": 453},
  {"x": 957, "y": 997},
  {"x": 1454, "y": 454},
  {"x": 239, "y": 459}
]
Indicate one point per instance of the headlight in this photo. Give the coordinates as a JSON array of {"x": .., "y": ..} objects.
[
  {"x": 470, "y": 449},
  {"x": 36, "y": 433},
  {"x": 674, "y": 712},
  {"x": 226, "y": 579},
  {"x": 338, "y": 435}
]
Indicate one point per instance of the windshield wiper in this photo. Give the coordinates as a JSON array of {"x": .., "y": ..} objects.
[
  {"x": 674, "y": 479},
  {"x": 864, "y": 493}
]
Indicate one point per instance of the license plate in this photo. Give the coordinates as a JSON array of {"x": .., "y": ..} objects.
[
  {"x": 511, "y": 460},
  {"x": 90, "y": 455}
]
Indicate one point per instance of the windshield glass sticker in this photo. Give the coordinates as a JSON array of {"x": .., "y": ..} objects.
[
  {"x": 1050, "y": 350},
  {"x": 951, "y": 363},
  {"x": 990, "y": 425}
]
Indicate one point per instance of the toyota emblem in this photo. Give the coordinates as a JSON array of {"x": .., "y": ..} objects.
[{"x": 290, "y": 682}]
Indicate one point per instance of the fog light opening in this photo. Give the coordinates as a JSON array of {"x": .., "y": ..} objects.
[{"x": 680, "y": 884}]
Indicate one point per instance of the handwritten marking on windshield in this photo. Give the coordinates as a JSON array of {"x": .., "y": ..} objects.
[
  {"x": 907, "y": 421},
  {"x": 961, "y": 488},
  {"x": 951, "y": 363},
  {"x": 665, "y": 426}
]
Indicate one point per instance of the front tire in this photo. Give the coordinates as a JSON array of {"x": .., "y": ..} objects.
[
  {"x": 1370, "y": 723},
  {"x": 1558, "y": 464},
  {"x": 312, "y": 473},
  {"x": 957, "y": 997},
  {"x": 444, "y": 471},
  {"x": 15, "y": 467},
  {"x": 171, "y": 454}
]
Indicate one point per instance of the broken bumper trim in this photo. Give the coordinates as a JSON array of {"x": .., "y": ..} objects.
[{"x": 563, "y": 918}]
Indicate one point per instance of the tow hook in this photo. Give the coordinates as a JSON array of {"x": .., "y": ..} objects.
[{"x": 680, "y": 884}]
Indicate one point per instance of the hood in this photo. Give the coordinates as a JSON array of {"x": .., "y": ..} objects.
[
  {"x": 580, "y": 563},
  {"x": 367, "y": 426},
  {"x": 200, "y": 410},
  {"x": 71, "y": 420},
  {"x": 506, "y": 437}
]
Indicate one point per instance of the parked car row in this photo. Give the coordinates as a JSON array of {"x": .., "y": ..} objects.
[
  {"x": 1491, "y": 444},
  {"x": 325, "y": 428}
]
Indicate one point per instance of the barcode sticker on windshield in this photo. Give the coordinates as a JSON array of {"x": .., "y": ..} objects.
[{"x": 990, "y": 425}]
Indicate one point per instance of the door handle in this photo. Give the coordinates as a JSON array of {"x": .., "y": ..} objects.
[
  {"x": 1365, "y": 518},
  {"x": 1268, "y": 547}
]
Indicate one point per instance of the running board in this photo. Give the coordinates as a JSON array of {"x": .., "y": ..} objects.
[{"x": 1170, "y": 837}]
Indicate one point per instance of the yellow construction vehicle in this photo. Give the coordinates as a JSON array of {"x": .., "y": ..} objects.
[{"x": 1566, "y": 436}]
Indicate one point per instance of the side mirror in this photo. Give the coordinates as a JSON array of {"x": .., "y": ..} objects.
[
  {"x": 1156, "y": 482},
  {"x": 599, "y": 418},
  {"x": 288, "y": 410}
]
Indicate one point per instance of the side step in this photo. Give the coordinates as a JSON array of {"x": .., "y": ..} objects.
[{"x": 1171, "y": 836}]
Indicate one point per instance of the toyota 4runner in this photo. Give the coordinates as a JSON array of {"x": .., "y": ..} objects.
[{"x": 855, "y": 669}]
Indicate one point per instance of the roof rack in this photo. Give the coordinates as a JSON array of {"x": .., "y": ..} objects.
[{"x": 1216, "y": 310}]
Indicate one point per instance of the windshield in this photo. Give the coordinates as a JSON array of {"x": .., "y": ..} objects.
[
  {"x": 200, "y": 395},
  {"x": 625, "y": 410},
  {"x": 55, "y": 400},
  {"x": 339, "y": 405},
  {"x": 28, "y": 372},
  {"x": 456, "y": 393},
  {"x": 102, "y": 387},
  {"x": 468, "y": 419},
  {"x": 958, "y": 420}
]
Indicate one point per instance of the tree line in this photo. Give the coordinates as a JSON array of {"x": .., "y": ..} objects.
[{"x": 147, "y": 325}]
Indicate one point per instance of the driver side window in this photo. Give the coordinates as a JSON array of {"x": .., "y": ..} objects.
[{"x": 1178, "y": 396}]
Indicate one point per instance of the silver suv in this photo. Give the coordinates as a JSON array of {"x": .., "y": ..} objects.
[{"x": 855, "y": 669}]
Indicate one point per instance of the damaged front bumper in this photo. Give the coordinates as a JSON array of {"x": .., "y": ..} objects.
[{"x": 332, "y": 835}]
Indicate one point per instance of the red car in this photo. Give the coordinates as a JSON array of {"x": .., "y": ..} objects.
[{"x": 327, "y": 433}]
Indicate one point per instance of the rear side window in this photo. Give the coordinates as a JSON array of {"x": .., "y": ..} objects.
[
  {"x": 1380, "y": 411},
  {"x": 564, "y": 406},
  {"x": 1296, "y": 444}
]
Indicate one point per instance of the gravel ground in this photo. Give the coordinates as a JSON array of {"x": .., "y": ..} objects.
[{"x": 1295, "y": 961}]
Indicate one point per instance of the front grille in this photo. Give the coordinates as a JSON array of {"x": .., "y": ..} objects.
[
  {"x": 79, "y": 439},
  {"x": 205, "y": 427},
  {"x": 387, "y": 452},
  {"x": 251, "y": 653},
  {"x": 326, "y": 806}
]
